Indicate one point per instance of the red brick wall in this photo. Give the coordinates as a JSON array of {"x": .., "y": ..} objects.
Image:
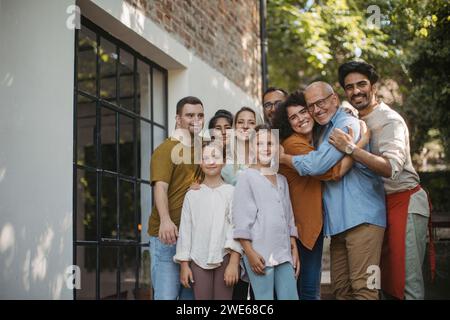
[{"x": 223, "y": 33}]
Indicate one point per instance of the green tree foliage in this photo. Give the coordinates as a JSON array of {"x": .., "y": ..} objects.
[
  {"x": 406, "y": 41},
  {"x": 429, "y": 70}
]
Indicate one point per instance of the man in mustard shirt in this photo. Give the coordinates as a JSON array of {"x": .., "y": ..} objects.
[{"x": 174, "y": 167}]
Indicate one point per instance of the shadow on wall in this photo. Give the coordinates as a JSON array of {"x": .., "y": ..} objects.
[
  {"x": 28, "y": 264},
  {"x": 7, "y": 81}
]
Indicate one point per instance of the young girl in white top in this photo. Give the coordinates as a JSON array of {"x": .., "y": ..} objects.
[
  {"x": 206, "y": 250},
  {"x": 264, "y": 224}
]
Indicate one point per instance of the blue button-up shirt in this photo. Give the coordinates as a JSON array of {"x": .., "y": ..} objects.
[{"x": 358, "y": 197}]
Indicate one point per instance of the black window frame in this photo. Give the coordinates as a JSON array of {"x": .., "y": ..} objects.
[{"x": 100, "y": 242}]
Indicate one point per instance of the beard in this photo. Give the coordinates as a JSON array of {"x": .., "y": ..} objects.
[{"x": 360, "y": 105}]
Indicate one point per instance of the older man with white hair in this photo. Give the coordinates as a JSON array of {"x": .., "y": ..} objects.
[{"x": 354, "y": 207}]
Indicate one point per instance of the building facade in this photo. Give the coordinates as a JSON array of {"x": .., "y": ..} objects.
[{"x": 88, "y": 91}]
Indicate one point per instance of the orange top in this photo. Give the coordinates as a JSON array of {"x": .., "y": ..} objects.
[{"x": 306, "y": 191}]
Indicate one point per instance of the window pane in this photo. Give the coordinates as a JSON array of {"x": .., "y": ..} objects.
[
  {"x": 127, "y": 212},
  {"x": 86, "y": 68},
  {"x": 86, "y": 204},
  {"x": 144, "y": 90},
  {"x": 108, "y": 272},
  {"x": 108, "y": 139},
  {"x": 86, "y": 111},
  {"x": 144, "y": 142},
  {"x": 159, "y": 97},
  {"x": 109, "y": 208},
  {"x": 159, "y": 136},
  {"x": 126, "y": 69},
  {"x": 108, "y": 58},
  {"x": 126, "y": 145},
  {"x": 125, "y": 203},
  {"x": 144, "y": 291},
  {"x": 128, "y": 265},
  {"x": 86, "y": 260},
  {"x": 145, "y": 203}
]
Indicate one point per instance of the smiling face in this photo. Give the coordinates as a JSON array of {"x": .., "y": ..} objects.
[
  {"x": 212, "y": 160},
  {"x": 191, "y": 118},
  {"x": 271, "y": 101},
  {"x": 266, "y": 145},
  {"x": 245, "y": 123},
  {"x": 300, "y": 120},
  {"x": 358, "y": 90},
  {"x": 322, "y": 102}
]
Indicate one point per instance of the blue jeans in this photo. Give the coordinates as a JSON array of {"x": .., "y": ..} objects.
[
  {"x": 281, "y": 278},
  {"x": 308, "y": 283},
  {"x": 165, "y": 273}
]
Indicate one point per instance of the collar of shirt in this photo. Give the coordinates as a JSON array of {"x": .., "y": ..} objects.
[
  {"x": 335, "y": 117},
  {"x": 322, "y": 130}
]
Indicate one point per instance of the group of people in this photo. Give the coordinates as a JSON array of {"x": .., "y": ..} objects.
[{"x": 229, "y": 223}]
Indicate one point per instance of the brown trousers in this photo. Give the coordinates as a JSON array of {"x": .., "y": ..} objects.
[
  {"x": 210, "y": 284},
  {"x": 352, "y": 252}
]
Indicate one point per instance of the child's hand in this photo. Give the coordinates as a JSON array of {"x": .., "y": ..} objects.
[
  {"x": 256, "y": 262},
  {"x": 186, "y": 274},
  {"x": 231, "y": 275}
]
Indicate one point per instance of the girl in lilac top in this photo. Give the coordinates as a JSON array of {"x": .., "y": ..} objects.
[{"x": 264, "y": 224}]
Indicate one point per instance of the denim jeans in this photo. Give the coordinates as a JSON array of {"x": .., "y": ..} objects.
[
  {"x": 281, "y": 278},
  {"x": 165, "y": 273},
  {"x": 308, "y": 283}
]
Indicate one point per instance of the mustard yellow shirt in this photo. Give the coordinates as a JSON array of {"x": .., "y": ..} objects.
[{"x": 178, "y": 176}]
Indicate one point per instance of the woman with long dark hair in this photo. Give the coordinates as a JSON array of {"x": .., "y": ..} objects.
[{"x": 295, "y": 125}]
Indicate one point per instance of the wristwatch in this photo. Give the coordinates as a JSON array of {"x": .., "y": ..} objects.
[{"x": 349, "y": 148}]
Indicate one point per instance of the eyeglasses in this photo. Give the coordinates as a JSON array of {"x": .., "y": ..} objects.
[
  {"x": 270, "y": 105},
  {"x": 319, "y": 103}
]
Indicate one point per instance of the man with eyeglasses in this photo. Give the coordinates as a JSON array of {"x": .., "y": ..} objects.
[
  {"x": 408, "y": 209},
  {"x": 354, "y": 207},
  {"x": 272, "y": 98}
]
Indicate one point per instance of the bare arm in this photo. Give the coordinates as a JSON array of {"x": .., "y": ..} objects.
[
  {"x": 168, "y": 231},
  {"x": 377, "y": 164}
]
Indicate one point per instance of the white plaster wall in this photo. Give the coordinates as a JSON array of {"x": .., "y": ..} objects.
[
  {"x": 36, "y": 128},
  {"x": 36, "y": 120}
]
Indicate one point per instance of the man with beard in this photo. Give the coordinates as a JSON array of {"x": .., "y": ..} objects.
[
  {"x": 272, "y": 98},
  {"x": 407, "y": 203},
  {"x": 174, "y": 168},
  {"x": 354, "y": 207}
]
